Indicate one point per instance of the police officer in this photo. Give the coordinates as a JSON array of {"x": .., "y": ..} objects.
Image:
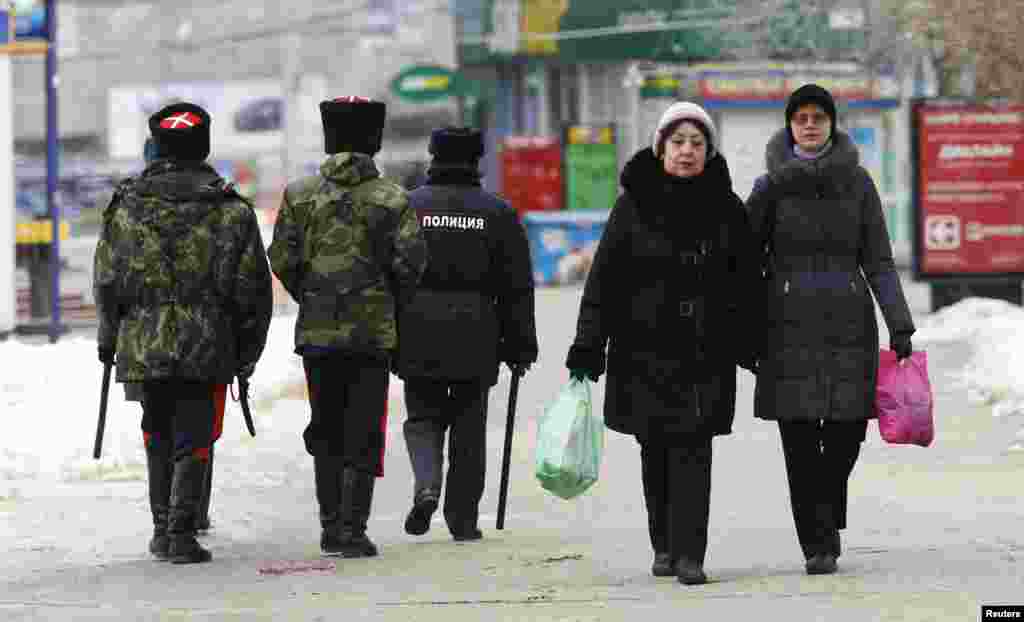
[
  {"x": 473, "y": 310},
  {"x": 348, "y": 249},
  {"x": 184, "y": 299}
]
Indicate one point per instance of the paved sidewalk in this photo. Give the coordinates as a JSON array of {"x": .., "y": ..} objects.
[{"x": 934, "y": 533}]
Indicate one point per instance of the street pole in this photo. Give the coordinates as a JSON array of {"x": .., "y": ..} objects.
[{"x": 51, "y": 166}]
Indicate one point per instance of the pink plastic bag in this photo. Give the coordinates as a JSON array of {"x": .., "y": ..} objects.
[{"x": 904, "y": 399}]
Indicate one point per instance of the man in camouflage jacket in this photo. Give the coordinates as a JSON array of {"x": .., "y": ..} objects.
[
  {"x": 184, "y": 298},
  {"x": 349, "y": 250}
]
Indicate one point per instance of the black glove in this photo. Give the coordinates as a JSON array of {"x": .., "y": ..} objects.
[
  {"x": 246, "y": 371},
  {"x": 106, "y": 355},
  {"x": 518, "y": 367},
  {"x": 585, "y": 362},
  {"x": 900, "y": 344}
]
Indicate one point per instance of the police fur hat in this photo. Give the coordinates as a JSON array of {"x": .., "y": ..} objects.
[
  {"x": 353, "y": 124},
  {"x": 456, "y": 144},
  {"x": 810, "y": 94},
  {"x": 181, "y": 132}
]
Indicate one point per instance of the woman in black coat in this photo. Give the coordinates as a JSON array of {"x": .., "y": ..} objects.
[
  {"x": 818, "y": 215},
  {"x": 662, "y": 294}
]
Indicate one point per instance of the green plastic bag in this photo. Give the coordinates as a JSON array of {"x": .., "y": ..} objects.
[{"x": 570, "y": 441}]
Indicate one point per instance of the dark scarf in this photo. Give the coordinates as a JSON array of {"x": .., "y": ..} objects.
[{"x": 452, "y": 174}]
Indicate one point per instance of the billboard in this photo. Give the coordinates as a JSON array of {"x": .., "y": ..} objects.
[
  {"x": 968, "y": 189},
  {"x": 531, "y": 173},
  {"x": 247, "y": 117}
]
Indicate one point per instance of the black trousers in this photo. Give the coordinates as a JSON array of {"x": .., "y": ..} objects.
[
  {"x": 177, "y": 417},
  {"x": 459, "y": 409},
  {"x": 347, "y": 397},
  {"x": 677, "y": 491},
  {"x": 820, "y": 456}
]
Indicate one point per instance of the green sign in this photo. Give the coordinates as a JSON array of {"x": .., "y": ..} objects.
[
  {"x": 658, "y": 30},
  {"x": 591, "y": 167},
  {"x": 424, "y": 83}
]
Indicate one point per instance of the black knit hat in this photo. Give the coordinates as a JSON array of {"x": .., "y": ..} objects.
[
  {"x": 352, "y": 124},
  {"x": 811, "y": 94},
  {"x": 456, "y": 144},
  {"x": 181, "y": 132}
]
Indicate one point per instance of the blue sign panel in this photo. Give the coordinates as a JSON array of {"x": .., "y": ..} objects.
[{"x": 30, "y": 19}]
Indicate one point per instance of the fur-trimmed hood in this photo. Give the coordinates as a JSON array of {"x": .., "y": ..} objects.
[
  {"x": 785, "y": 167},
  {"x": 646, "y": 181}
]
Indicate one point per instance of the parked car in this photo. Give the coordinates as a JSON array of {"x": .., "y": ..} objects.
[{"x": 260, "y": 115}]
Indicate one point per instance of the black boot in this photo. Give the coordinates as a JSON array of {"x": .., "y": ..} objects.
[
  {"x": 836, "y": 547},
  {"x": 821, "y": 563},
  {"x": 424, "y": 505},
  {"x": 203, "y": 519},
  {"x": 823, "y": 558},
  {"x": 327, "y": 470},
  {"x": 161, "y": 471},
  {"x": 690, "y": 572},
  {"x": 663, "y": 566},
  {"x": 357, "y": 499},
  {"x": 186, "y": 490}
]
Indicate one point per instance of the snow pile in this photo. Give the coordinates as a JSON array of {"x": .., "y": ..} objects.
[
  {"x": 50, "y": 395},
  {"x": 994, "y": 332}
]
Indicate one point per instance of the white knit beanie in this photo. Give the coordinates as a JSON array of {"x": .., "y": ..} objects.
[{"x": 693, "y": 112}]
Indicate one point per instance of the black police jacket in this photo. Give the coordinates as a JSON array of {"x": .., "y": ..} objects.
[{"x": 474, "y": 307}]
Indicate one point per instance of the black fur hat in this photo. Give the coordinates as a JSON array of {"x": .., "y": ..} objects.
[
  {"x": 353, "y": 124},
  {"x": 456, "y": 144},
  {"x": 181, "y": 132}
]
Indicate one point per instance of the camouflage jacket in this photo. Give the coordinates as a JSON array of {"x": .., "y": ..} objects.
[
  {"x": 347, "y": 247},
  {"x": 180, "y": 278}
]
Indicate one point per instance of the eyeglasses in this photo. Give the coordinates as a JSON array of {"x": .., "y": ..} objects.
[{"x": 818, "y": 118}]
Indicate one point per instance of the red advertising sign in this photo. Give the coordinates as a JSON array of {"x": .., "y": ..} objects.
[
  {"x": 970, "y": 189},
  {"x": 531, "y": 173}
]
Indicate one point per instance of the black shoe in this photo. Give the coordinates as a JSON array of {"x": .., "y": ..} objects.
[
  {"x": 358, "y": 545},
  {"x": 159, "y": 546},
  {"x": 836, "y": 544},
  {"x": 332, "y": 543},
  {"x": 185, "y": 549},
  {"x": 417, "y": 522},
  {"x": 467, "y": 534},
  {"x": 822, "y": 563},
  {"x": 690, "y": 573},
  {"x": 663, "y": 566}
]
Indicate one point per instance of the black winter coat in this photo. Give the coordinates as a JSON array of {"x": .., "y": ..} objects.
[
  {"x": 664, "y": 294},
  {"x": 474, "y": 306},
  {"x": 819, "y": 352}
]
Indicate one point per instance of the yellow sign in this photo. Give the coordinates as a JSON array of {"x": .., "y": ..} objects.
[
  {"x": 542, "y": 17},
  {"x": 40, "y": 232}
]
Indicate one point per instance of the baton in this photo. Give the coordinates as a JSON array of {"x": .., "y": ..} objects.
[
  {"x": 506, "y": 458},
  {"x": 102, "y": 422}
]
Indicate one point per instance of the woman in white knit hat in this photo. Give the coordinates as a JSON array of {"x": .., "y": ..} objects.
[{"x": 663, "y": 296}]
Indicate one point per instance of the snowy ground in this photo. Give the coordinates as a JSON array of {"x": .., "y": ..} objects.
[
  {"x": 50, "y": 400},
  {"x": 934, "y": 532},
  {"x": 50, "y": 397}
]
